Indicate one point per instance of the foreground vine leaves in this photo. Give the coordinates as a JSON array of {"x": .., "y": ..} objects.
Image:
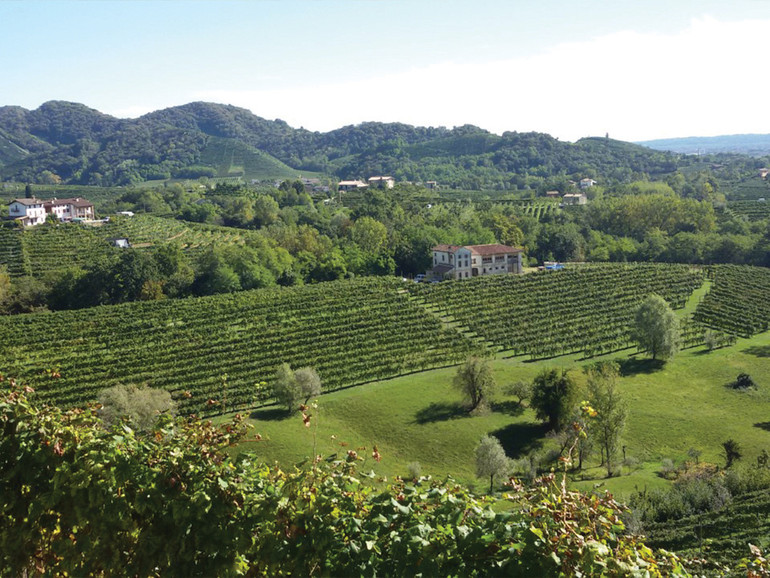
[{"x": 77, "y": 499}]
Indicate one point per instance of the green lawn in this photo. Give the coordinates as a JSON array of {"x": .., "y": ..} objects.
[{"x": 681, "y": 405}]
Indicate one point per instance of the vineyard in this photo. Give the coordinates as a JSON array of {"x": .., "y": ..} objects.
[
  {"x": 221, "y": 347},
  {"x": 585, "y": 309},
  {"x": 720, "y": 536},
  {"x": 753, "y": 210},
  {"x": 45, "y": 249},
  {"x": 539, "y": 209},
  {"x": 739, "y": 300}
]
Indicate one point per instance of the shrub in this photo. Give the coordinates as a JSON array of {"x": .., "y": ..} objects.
[
  {"x": 743, "y": 381},
  {"x": 141, "y": 405}
]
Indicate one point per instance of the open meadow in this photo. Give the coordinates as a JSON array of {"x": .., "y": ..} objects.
[{"x": 674, "y": 407}]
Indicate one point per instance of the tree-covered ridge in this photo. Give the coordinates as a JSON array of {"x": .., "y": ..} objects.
[{"x": 80, "y": 145}]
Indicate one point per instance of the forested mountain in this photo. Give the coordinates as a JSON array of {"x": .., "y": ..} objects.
[{"x": 71, "y": 143}]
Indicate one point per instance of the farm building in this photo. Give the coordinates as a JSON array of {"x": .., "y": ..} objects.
[
  {"x": 68, "y": 209},
  {"x": 574, "y": 199},
  {"x": 351, "y": 185},
  {"x": 456, "y": 262},
  {"x": 28, "y": 212},
  {"x": 382, "y": 182}
]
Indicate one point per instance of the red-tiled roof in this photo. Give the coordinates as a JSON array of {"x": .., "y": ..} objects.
[
  {"x": 27, "y": 202},
  {"x": 446, "y": 248},
  {"x": 493, "y": 249},
  {"x": 75, "y": 202}
]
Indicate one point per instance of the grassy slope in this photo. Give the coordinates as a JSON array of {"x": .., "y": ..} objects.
[{"x": 681, "y": 405}]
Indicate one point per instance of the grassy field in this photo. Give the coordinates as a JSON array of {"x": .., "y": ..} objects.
[{"x": 418, "y": 418}]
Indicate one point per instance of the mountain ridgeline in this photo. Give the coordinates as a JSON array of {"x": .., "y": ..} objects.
[{"x": 71, "y": 143}]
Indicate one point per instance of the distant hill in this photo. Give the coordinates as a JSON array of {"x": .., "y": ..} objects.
[
  {"x": 748, "y": 144},
  {"x": 71, "y": 143}
]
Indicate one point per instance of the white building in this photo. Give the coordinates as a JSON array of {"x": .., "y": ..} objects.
[
  {"x": 574, "y": 199},
  {"x": 351, "y": 185},
  {"x": 586, "y": 183},
  {"x": 382, "y": 182},
  {"x": 28, "y": 212},
  {"x": 67, "y": 209},
  {"x": 456, "y": 262}
]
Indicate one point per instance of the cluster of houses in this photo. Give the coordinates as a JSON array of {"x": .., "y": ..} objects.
[
  {"x": 463, "y": 262},
  {"x": 579, "y": 198},
  {"x": 378, "y": 182},
  {"x": 30, "y": 212}
]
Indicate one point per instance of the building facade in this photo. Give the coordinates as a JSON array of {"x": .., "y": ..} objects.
[
  {"x": 67, "y": 209},
  {"x": 28, "y": 212},
  {"x": 463, "y": 262}
]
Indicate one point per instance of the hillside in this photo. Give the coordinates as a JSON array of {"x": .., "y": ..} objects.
[
  {"x": 71, "y": 143},
  {"x": 316, "y": 325}
]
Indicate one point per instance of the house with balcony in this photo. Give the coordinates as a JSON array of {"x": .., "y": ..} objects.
[
  {"x": 28, "y": 212},
  {"x": 463, "y": 262}
]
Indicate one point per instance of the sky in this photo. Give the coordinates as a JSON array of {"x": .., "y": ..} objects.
[{"x": 633, "y": 69}]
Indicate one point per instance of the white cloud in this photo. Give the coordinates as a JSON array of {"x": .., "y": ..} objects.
[{"x": 709, "y": 78}]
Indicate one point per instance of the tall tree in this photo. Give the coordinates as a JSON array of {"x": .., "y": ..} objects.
[
  {"x": 605, "y": 397},
  {"x": 656, "y": 328}
]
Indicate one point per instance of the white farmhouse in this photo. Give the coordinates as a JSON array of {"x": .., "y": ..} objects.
[
  {"x": 351, "y": 185},
  {"x": 68, "y": 209},
  {"x": 28, "y": 212},
  {"x": 574, "y": 199},
  {"x": 456, "y": 262},
  {"x": 381, "y": 182}
]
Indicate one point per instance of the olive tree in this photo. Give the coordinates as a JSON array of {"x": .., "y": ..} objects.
[
  {"x": 475, "y": 381},
  {"x": 141, "y": 405},
  {"x": 292, "y": 387},
  {"x": 656, "y": 328},
  {"x": 491, "y": 460}
]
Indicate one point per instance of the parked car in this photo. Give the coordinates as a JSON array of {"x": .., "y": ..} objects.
[{"x": 419, "y": 278}]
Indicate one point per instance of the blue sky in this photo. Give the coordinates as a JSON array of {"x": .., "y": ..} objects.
[{"x": 571, "y": 68}]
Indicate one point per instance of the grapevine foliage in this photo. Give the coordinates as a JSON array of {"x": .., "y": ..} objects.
[{"x": 77, "y": 499}]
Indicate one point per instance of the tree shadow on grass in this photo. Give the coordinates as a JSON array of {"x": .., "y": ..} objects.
[
  {"x": 440, "y": 412},
  {"x": 634, "y": 366},
  {"x": 509, "y": 407},
  {"x": 518, "y": 439},
  {"x": 270, "y": 414},
  {"x": 765, "y": 425},
  {"x": 758, "y": 350}
]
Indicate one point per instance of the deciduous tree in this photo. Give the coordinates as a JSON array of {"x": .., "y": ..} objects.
[
  {"x": 605, "y": 397},
  {"x": 554, "y": 397},
  {"x": 656, "y": 328},
  {"x": 475, "y": 381}
]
